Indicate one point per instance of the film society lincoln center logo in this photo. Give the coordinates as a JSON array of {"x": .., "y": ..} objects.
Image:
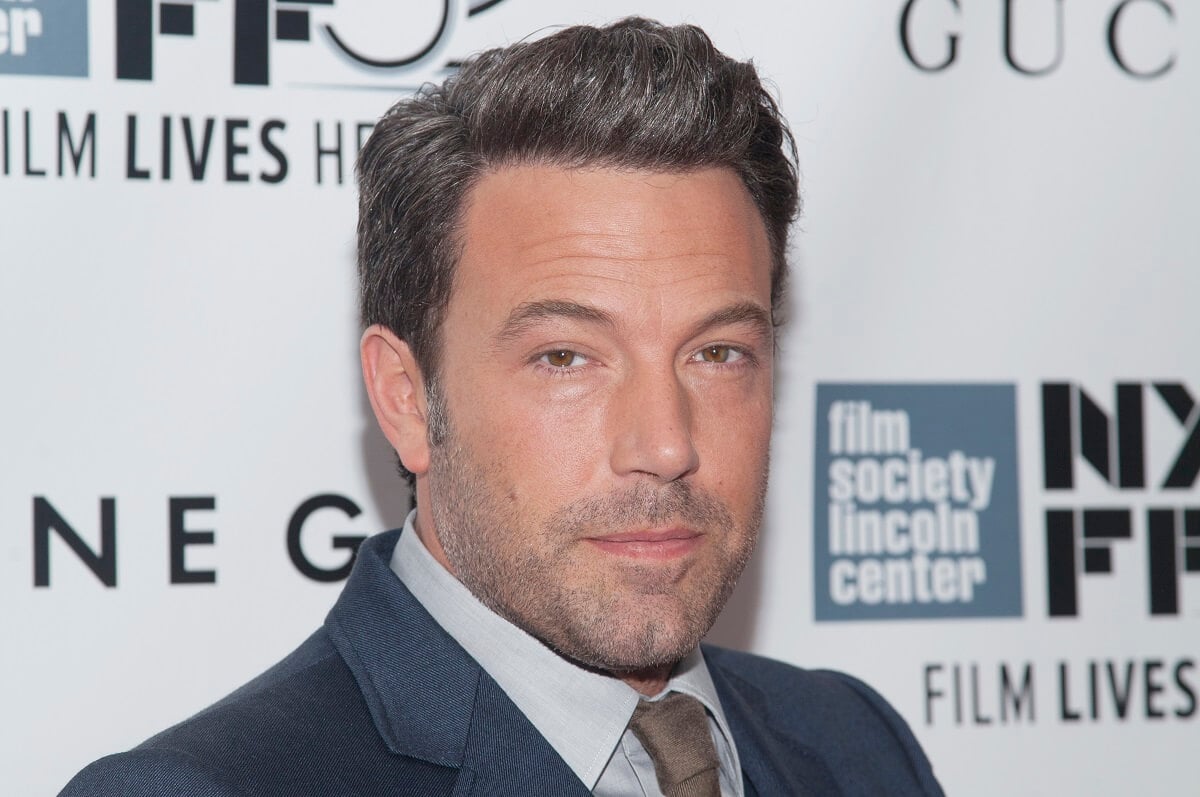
[{"x": 915, "y": 502}]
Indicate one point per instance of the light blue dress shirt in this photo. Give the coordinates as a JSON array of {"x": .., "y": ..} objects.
[{"x": 583, "y": 715}]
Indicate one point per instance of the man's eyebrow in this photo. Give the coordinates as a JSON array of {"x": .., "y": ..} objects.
[
  {"x": 524, "y": 316},
  {"x": 742, "y": 313},
  {"x": 528, "y": 314}
]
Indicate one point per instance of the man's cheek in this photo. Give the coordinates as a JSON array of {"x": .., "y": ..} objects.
[{"x": 561, "y": 439}]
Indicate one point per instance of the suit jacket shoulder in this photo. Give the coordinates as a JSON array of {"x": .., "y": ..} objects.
[
  {"x": 302, "y": 727},
  {"x": 379, "y": 701},
  {"x": 816, "y": 731}
]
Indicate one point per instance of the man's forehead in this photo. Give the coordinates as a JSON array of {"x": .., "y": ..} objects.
[{"x": 655, "y": 228}]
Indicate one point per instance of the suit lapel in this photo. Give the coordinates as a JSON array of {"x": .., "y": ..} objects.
[
  {"x": 772, "y": 763},
  {"x": 507, "y": 755},
  {"x": 748, "y": 786},
  {"x": 427, "y": 697}
]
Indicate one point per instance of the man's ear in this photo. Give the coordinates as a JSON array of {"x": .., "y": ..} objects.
[{"x": 396, "y": 389}]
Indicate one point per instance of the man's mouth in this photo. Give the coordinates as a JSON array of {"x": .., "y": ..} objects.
[{"x": 656, "y": 543}]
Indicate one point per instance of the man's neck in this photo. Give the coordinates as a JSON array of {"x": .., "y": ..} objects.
[
  {"x": 429, "y": 538},
  {"x": 648, "y": 682}
]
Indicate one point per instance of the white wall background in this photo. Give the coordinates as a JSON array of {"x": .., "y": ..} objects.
[{"x": 179, "y": 338}]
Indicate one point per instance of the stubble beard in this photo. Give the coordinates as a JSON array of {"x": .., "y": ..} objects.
[{"x": 616, "y": 616}]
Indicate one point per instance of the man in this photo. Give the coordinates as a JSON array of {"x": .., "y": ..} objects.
[{"x": 572, "y": 258}]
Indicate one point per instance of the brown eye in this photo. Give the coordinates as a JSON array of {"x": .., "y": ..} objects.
[
  {"x": 715, "y": 354},
  {"x": 563, "y": 358}
]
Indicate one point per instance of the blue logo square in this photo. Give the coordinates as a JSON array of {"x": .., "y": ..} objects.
[
  {"x": 44, "y": 37},
  {"x": 916, "y": 511}
]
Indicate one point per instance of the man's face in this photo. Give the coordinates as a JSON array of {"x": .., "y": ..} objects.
[{"x": 606, "y": 375}]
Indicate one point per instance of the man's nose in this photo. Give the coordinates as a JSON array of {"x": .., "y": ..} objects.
[{"x": 652, "y": 427}]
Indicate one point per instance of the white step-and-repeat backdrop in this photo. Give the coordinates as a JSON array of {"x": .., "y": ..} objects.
[{"x": 984, "y": 497}]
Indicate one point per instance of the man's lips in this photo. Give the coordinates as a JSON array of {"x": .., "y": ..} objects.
[{"x": 667, "y": 543}]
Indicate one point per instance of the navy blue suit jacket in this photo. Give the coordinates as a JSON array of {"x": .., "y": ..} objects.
[{"x": 381, "y": 701}]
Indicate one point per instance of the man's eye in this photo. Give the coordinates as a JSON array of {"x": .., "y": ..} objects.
[
  {"x": 719, "y": 354},
  {"x": 563, "y": 358}
]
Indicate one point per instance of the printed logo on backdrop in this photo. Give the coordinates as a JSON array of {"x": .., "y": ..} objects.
[
  {"x": 337, "y": 44},
  {"x": 44, "y": 37},
  {"x": 1137, "y": 37},
  {"x": 1120, "y": 476},
  {"x": 915, "y": 502},
  {"x": 1120, "y": 465},
  {"x": 363, "y": 42}
]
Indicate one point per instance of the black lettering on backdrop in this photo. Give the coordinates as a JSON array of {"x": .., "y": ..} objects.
[
  {"x": 198, "y": 161},
  {"x": 255, "y": 24},
  {"x": 329, "y": 145},
  {"x": 87, "y": 141},
  {"x": 102, "y": 560},
  {"x": 200, "y": 145},
  {"x": 1075, "y": 428},
  {"x": 251, "y": 31},
  {"x": 234, "y": 150},
  {"x": 1173, "y": 546},
  {"x": 79, "y": 145},
  {"x": 1010, "y": 47},
  {"x": 346, "y": 541},
  {"x": 135, "y": 27},
  {"x": 166, "y": 147},
  {"x": 999, "y": 695},
  {"x": 132, "y": 170},
  {"x": 1185, "y": 688},
  {"x": 65, "y": 144},
  {"x": 1070, "y": 416},
  {"x": 1114, "y": 43},
  {"x": 1016, "y": 699},
  {"x": 906, "y": 41},
  {"x": 1068, "y": 531},
  {"x": 334, "y": 151},
  {"x": 931, "y": 692},
  {"x": 1186, "y": 467},
  {"x": 977, "y": 715},
  {"x": 275, "y": 151},
  {"x": 1149, "y": 689},
  {"x": 910, "y": 24},
  {"x": 1162, "y": 552},
  {"x": 1153, "y": 688},
  {"x": 30, "y": 169},
  {"x": 46, "y": 519},
  {"x": 1120, "y": 687},
  {"x": 181, "y": 538},
  {"x": 1065, "y": 712},
  {"x": 399, "y": 60}
]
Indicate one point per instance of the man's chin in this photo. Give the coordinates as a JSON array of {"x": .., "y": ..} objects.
[
  {"x": 625, "y": 664},
  {"x": 631, "y": 646}
]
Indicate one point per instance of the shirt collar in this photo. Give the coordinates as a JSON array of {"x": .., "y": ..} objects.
[{"x": 582, "y": 714}]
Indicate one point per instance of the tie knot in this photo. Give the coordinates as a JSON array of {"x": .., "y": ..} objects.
[{"x": 675, "y": 733}]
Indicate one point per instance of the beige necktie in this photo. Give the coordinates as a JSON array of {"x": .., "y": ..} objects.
[{"x": 675, "y": 733}]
